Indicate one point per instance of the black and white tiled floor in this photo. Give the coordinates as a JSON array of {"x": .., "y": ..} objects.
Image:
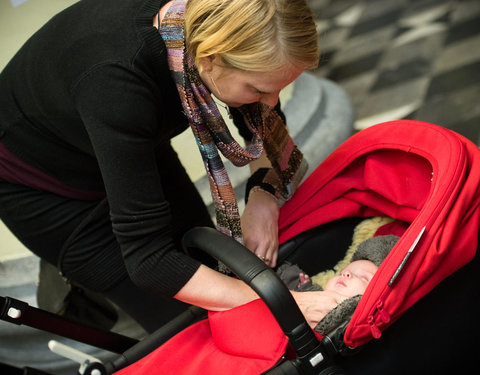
[{"x": 415, "y": 59}]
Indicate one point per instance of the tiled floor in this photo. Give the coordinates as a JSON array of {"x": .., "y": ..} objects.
[{"x": 415, "y": 59}]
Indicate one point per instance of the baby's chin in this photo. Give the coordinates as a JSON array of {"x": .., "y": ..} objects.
[
  {"x": 340, "y": 288},
  {"x": 346, "y": 294},
  {"x": 350, "y": 295}
]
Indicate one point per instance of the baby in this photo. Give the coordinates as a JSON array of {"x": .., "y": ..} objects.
[
  {"x": 354, "y": 278},
  {"x": 351, "y": 282}
]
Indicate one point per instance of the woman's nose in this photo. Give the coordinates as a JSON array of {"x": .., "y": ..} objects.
[{"x": 270, "y": 99}]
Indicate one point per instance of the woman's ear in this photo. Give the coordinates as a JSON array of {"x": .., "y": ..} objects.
[{"x": 206, "y": 63}]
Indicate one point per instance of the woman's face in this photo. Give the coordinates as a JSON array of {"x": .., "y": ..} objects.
[
  {"x": 354, "y": 278},
  {"x": 236, "y": 87}
]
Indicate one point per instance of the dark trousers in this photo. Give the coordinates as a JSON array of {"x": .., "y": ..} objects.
[{"x": 76, "y": 236}]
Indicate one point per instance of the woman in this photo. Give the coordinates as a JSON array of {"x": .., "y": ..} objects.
[{"x": 88, "y": 179}]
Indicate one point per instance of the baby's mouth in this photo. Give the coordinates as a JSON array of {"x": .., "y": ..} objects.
[{"x": 342, "y": 283}]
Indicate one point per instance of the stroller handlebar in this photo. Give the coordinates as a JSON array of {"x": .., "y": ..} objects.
[{"x": 250, "y": 269}]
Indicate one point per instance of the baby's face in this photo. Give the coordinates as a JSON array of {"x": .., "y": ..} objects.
[{"x": 354, "y": 278}]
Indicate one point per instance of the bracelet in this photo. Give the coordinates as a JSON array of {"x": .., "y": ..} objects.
[
  {"x": 256, "y": 181},
  {"x": 259, "y": 188}
]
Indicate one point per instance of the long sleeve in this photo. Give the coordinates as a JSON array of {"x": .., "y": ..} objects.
[{"x": 121, "y": 116}]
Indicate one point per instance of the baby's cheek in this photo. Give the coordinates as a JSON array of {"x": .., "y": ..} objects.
[
  {"x": 331, "y": 283},
  {"x": 362, "y": 287}
]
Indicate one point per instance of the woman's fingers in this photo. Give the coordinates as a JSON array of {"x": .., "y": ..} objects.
[
  {"x": 268, "y": 254},
  {"x": 260, "y": 227}
]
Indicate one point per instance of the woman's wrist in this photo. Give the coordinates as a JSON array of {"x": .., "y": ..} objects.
[
  {"x": 214, "y": 291},
  {"x": 256, "y": 183},
  {"x": 259, "y": 189}
]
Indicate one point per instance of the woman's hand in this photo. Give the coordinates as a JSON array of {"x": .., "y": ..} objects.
[
  {"x": 315, "y": 305},
  {"x": 260, "y": 226}
]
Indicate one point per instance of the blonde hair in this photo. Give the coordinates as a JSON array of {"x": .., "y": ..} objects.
[{"x": 252, "y": 35}]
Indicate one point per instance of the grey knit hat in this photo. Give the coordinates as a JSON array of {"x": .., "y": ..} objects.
[{"x": 375, "y": 249}]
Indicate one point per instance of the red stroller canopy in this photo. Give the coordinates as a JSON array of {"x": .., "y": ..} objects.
[{"x": 412, "y": 171}]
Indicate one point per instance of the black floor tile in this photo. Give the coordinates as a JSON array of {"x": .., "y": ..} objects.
[
  {"x": 376, "y": 23},
  {"x": 452, "y": 108},
  {"x": 463, "y": 30},
  {"x": 469, "y": 129},
  {"x": 333, "y": 9},
  {"x": 405, "y": 72},
  {"x": 356, "y": 67},
  {"x": 416, "y": 6},
  {"x": 456, "y": 79}
]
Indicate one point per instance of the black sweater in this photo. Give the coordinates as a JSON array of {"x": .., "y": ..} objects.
[{"x": 87, "y": 101}]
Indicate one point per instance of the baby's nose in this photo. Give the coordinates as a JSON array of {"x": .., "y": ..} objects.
[{"x": 346, "y": 274}]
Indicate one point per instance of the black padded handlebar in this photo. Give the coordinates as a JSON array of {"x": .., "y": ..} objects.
[{"x": 249, "y": 268}]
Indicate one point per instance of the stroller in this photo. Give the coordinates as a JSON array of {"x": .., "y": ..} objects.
[{"x": 424, "y": 292}]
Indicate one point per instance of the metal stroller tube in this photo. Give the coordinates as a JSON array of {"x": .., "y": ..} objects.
[{"x": 311, "y": 354}]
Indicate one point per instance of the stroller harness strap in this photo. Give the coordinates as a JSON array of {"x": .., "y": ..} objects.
[{"x": 412, "y": 171}]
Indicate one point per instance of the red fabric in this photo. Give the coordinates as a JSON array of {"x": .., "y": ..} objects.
[
  {"x": 396, "y": 228},
  {"x": 420, "y": 174},
  {"x": 412, "y": 171},
  {"x": 245, "y": 340}
]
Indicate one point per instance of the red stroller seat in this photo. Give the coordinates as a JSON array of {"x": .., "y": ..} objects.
[{"x": 411, "y": 171}]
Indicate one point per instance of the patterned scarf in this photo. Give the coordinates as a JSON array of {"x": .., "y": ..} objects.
[{"x": 212, "y": 134}]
